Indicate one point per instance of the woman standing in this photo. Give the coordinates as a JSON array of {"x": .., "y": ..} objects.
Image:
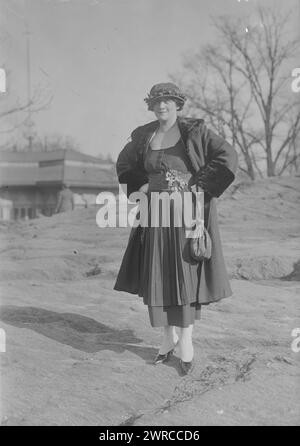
[{"x": 157, "y": 265}]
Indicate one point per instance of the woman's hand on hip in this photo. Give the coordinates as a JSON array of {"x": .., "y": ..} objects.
[{"x": 144, "y": 188}]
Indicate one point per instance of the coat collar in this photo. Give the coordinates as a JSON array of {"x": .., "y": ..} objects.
[{"x": 187, "y": 127}]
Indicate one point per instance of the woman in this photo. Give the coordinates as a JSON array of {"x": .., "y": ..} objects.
[{"x": 158, "y": 266}]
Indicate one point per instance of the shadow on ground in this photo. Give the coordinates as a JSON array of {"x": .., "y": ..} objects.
[{"x": 77, "y": 331}]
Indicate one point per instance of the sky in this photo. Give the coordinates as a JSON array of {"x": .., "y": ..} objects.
[{"x": 99, "y": 59}]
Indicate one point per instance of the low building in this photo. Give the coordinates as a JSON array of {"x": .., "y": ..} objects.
[{"x": 30, "y": 181}]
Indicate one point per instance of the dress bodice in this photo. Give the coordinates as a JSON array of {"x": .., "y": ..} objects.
[
  {"x": 158, "y": 162},
  {"x": 173, "y": 157}
]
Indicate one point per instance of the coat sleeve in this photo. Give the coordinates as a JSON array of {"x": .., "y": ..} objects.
[
  {"x": 222, "y": 162},
  {"x": 128, "y": 170}
]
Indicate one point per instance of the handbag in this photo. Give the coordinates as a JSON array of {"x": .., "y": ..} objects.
[{"x": 200, "y": 243}]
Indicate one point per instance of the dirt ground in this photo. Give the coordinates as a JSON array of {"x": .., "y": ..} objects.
[{"x": 80, "y": 353}]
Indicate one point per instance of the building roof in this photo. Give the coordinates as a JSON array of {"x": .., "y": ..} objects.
[
  {"x": 59, "y": 154},
  {"x": 56, "y": 167}
]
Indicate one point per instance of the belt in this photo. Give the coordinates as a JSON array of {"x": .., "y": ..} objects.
[{"x": 169, "y": 181}]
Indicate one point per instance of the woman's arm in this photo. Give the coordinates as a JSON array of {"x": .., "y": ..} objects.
[
  {"x": 222, "y": 162},
  {"x": 128, "y": 171}
]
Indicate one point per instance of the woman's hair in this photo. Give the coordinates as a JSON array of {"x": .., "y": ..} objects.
[{"x": 178, "y": 103}]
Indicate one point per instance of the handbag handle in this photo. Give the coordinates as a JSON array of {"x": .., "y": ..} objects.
[{"x": 199, "y": 189}]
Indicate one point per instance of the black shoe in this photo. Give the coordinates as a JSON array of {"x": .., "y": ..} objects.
[
  {"x": 165, "y": 357},
  {"x": 187, "y": 367}
]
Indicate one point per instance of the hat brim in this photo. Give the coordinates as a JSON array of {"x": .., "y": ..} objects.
[{"x": 151, "y": 101}]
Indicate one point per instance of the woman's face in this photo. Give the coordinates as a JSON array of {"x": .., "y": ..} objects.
[{"x": 165, "y": 109}]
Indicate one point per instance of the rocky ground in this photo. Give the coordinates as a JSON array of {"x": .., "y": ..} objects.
[{"x": 80, "y": 353}]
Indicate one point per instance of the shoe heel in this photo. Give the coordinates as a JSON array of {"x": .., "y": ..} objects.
[
  {"x": 187, "y": 367},
  {"x": 165, "y": 357}
]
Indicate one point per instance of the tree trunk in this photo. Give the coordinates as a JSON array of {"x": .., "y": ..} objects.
[{"x": 250, "y": 169}]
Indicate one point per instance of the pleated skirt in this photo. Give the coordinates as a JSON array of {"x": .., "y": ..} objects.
[
  {"x": 170, "y": 280},
  {"x": 179, "y": 316}
]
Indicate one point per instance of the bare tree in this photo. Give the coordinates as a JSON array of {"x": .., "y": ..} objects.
[
  {"x": 47, "y": 143},
  {"x": 216, "y": 90},
  {"x": 243, "y": 82},
  {"x": 12, "y": 109},
  {"x": 15, "y": 112},
  {"x": 55, "y": 141},
  {"x": 291, "y": 159}
]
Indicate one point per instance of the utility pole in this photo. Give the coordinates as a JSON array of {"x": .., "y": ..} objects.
[
  {"x": 299, "y": 17},
  {"x": 29, "y": 134}
]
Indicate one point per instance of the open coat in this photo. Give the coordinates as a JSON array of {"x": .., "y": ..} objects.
[{"x": 213, "y": 165}]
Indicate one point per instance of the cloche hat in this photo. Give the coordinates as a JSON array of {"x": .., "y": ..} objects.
[{"x": 165, "y": 90}]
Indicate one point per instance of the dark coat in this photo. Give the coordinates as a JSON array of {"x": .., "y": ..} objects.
[{"x": 213, "y": 163}]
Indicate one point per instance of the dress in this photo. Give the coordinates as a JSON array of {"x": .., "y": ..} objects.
[
  {"x": 169, "y": 281},
  {"x": 213, "y": 163}
]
